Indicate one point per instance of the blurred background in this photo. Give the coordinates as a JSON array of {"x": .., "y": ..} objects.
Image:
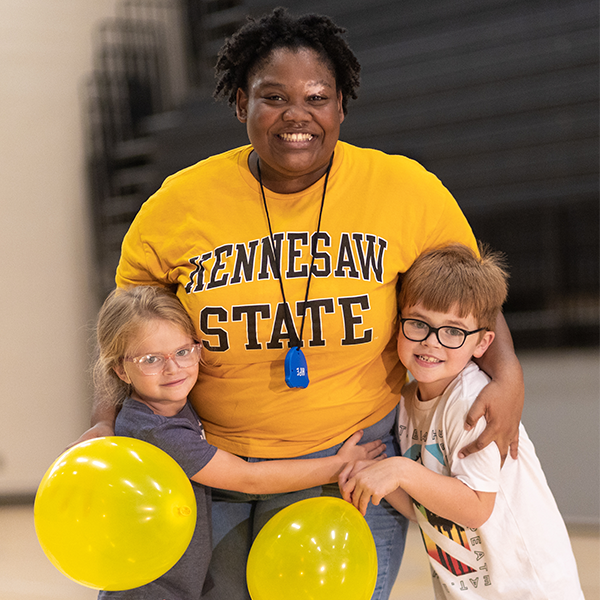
[{"x": 101, "y": 100}]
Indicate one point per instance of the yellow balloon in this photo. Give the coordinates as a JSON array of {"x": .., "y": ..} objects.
[
  {"x": 315, "y": 549},
  {"x": 114, "y": 513}
]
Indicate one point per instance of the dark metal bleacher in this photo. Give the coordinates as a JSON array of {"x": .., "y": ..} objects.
[{"x": 499, "y": 98}]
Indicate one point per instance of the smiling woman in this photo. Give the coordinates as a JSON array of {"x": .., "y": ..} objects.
[
  {"x": 293, "y": 112},
  {"x": 295, "y": 242}
]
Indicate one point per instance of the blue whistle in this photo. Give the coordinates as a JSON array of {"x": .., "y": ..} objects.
[{"x": 296, "y": 369}]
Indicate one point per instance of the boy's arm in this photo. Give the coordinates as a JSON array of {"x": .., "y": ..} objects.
[
  {"x": 227, "y": 471},
  {"x": 447, "y": 497},
  {"x": 501, "y": 401},
  {"x": 403, "y": 503}
]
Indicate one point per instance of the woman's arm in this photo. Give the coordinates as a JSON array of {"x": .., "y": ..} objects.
[
  {"x": 102, "y": 420},
  {"x": 446, "y": 496},
  {"x": 230, "y": 472},
  {"x": 501, "y": 401}
]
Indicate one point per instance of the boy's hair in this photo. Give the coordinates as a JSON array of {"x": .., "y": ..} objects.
[
  {"x": 122, "y": 316},
  {"x": 256, "y": 40},
  {"x": 455, "y": 278}
]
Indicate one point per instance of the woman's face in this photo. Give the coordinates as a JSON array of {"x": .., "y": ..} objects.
[{"x": 293, "y": 113}]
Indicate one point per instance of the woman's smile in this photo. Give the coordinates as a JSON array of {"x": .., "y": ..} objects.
[{"x": 296, "y": 137}]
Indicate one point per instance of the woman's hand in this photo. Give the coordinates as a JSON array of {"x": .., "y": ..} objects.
[
  {"x": 100, "y": 429},
  {"x": 103, "y": 417},
  {"x": 501, "y": 401},
  {"x": 351, "y": 451}
]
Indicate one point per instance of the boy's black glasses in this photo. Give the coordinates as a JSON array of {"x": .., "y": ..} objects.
[{"x": 449, "y": 337}]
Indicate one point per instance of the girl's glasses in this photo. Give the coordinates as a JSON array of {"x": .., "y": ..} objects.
[
  {"x": 449, "y": 337},
  {"x": 153, "y": 364}
]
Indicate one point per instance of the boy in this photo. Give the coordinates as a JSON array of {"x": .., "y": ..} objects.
[{"x": 491, "y": 531}]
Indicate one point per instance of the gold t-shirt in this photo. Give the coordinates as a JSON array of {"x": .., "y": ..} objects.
[{"x": 205, "y": 233}]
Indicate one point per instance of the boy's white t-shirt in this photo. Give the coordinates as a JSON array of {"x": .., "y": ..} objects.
[{"x": 523, "y": 551}]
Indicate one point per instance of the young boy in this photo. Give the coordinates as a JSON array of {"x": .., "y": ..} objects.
[{"x": 491, "y": 531}]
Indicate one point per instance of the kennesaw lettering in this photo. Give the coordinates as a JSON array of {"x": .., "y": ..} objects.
[{"x": 358, "y": 256}]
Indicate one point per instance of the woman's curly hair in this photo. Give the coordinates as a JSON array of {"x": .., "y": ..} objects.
[{"x": 255, "y": 41}]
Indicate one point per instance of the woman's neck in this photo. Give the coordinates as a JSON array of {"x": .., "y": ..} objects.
[{"x": 279, "y": 183}]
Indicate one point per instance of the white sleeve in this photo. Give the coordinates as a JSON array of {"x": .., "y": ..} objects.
[{"x": 480, "y": 470}]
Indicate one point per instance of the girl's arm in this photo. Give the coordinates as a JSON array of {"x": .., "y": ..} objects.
[
  {"x": 230, "y": 472},
  {"x": 501, "y": 401},
  {"x": 446, "y": 496}
]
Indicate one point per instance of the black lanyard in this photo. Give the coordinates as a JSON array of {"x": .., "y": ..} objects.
[{"x": 296, "y": 370}]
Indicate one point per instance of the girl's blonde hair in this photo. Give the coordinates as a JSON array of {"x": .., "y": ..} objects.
[
  {"x": 455, "y": 278},
  {"x": 122, "y": 316}
]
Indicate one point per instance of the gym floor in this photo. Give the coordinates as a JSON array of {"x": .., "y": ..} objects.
[{"x": 26, "y": 573}]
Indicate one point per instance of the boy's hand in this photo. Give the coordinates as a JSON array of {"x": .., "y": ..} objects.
[
  {"x": 362, "y": 483},
  {"x": 351, "y": 451},
  {"x": 351, "y": 469}
]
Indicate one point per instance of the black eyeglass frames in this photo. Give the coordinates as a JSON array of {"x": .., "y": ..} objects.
[{"x": 448, "y": 336}]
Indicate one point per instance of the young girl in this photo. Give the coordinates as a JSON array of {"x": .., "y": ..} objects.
[{"x": 147, "y": 365}]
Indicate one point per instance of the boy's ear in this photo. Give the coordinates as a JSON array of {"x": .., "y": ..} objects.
[
  {"x": 484, "y": 343},
  {"x": 121, "y": 373}
]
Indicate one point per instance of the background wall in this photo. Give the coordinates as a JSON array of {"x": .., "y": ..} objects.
[
  {"x": 49, "y": 294},
  {"x": 45, "y": 295}
]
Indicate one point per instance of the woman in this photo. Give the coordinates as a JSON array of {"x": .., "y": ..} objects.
[{"x": 286, "y": 254}]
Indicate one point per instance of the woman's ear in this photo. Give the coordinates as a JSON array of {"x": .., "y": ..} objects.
[
  {"x": 121, "y": 373},
  {"x": 241, "y": 105},
  {"x": 340, "y": 107},
  {"x": 484, "y": 343}
]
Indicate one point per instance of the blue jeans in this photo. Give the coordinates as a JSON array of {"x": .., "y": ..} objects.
[{"x": 237, "y": 519}]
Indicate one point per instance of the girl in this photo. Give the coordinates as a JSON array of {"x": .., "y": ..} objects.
[{"x": 148, "y": 363}]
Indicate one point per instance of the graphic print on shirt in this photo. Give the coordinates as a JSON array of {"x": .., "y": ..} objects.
[
  {"x": 358, "y": 256},
  {"x": 454, "y": 533},
  {"x": 447, "y": 543}
]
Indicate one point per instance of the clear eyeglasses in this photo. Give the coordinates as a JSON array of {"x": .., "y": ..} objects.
[
  {"x": 449, "y": 337},
  {"x": 153, "y": 364}
]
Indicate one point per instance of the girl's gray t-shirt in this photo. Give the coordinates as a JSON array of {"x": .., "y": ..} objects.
[{"x": 182, "y": 437}]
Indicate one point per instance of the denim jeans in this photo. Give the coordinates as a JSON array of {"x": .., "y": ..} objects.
[{"x": 237, "y": 519}]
